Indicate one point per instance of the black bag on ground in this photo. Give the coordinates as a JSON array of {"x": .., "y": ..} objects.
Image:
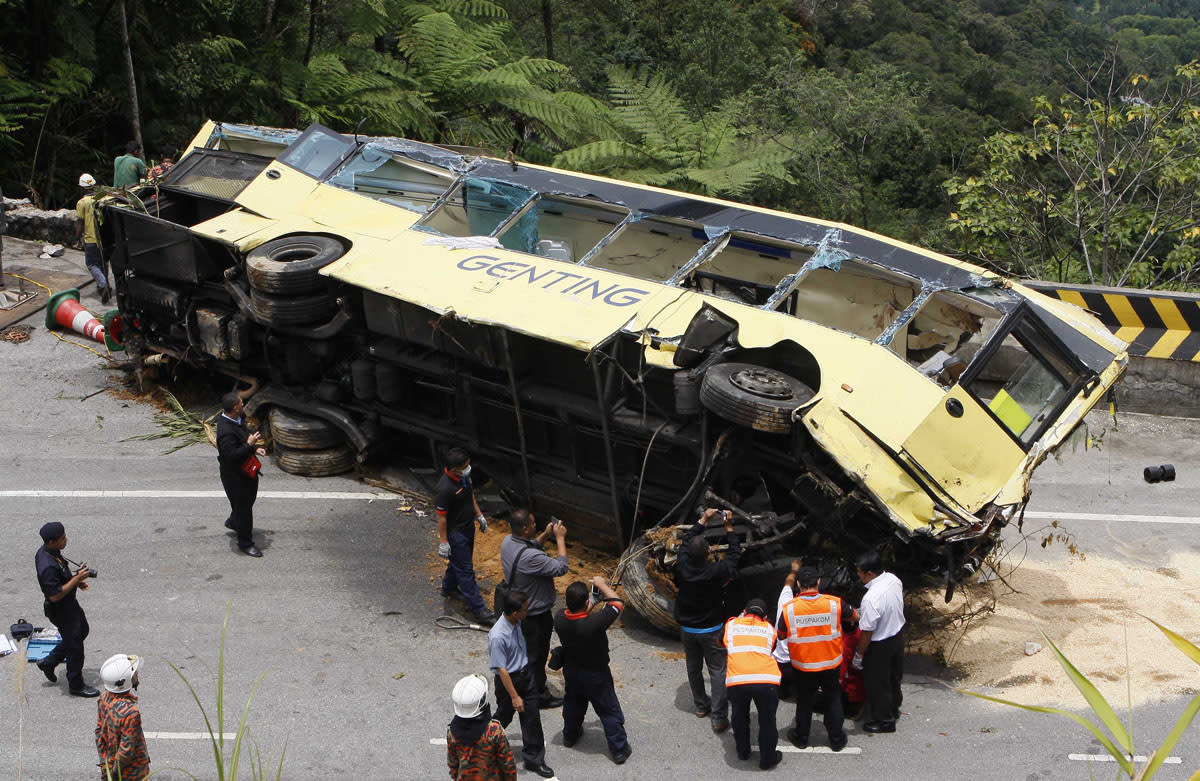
[
  {"x": 21, "y": 629},
  {"x": 505, "y": 586}
]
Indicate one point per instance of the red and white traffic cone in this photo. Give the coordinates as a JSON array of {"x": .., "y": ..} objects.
[{"x": 63, "y": 309}]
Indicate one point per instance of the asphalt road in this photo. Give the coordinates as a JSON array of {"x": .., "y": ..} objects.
[{"x": 336, "y": 622}]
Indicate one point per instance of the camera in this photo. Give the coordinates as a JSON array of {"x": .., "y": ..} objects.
[
  {"x": 91, "y": 571},
  {"x": 595, "y": 596}
]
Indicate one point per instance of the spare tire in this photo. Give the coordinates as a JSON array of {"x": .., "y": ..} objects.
[
  {"x": 291, "y": 310},
  {"x": 289, "y": 265},
  {"x": 302, "y": 432},
  {"x": 315, "y": 463},
  {"x": 755, "y": 396},
  {"x": 644, "y": 593}
]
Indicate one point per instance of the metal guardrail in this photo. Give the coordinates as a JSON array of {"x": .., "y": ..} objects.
[{"x": 1157, "y": 324}]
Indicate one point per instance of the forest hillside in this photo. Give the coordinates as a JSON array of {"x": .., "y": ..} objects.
[{"x": 1041, "y": 138}]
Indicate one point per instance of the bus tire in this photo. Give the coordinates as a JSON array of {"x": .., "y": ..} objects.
[{"x": 758, "y": 397}]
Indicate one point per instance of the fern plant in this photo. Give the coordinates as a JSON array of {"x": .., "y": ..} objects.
[{"x": 660, "y": 144}]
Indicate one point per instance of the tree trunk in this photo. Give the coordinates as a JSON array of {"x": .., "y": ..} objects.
[
  {"x": 134, "y": 114},
  {"x": 269, "y": 20},
  {"x": 548, "y": 27},
  {"x": 314, "y": 12}
]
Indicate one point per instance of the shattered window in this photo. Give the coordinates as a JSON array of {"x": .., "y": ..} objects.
[
  {"x": 746, "y": 268},
  {"x": 935, "y": 338},
  {"x": 1024, "y": 382},
  {"x": 374, "y": 172},
  {"x": 316, "y": 151},
  {"x": 651, "y": 248},
  {"x": 476, "y": 207},
  {"x": 852, "y": 296},
  {"x": 561, "y": 228}
]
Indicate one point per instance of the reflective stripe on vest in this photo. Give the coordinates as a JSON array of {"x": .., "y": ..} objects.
[
  {"x": 814, "y": 624},
  {"x": 749, "y": 641}
]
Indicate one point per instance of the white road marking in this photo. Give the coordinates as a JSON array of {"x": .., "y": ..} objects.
[
  {"x": 1109, "y": 758},
  {"x": 786, "y": 749},
  {"x": 1055, "y": 516},
  {"x": 52, "y": 494},
  {"x": 188, "y": 735}
]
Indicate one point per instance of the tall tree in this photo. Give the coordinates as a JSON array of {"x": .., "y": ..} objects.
[{"x": 1103, "y": 187}]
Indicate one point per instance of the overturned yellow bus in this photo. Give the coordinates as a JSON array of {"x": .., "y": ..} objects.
[{"x": 613, "y": 353}]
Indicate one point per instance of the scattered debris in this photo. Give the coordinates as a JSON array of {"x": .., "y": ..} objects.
[
  {"x": 1032, "y": 648},
  {"x": 51, "y": 251},
  {"x": 398, "y": 676},
  {"x": 16, "y": 333},
  {"x": 177, "y": 423}
]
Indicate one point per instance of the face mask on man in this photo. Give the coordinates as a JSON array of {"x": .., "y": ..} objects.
[{"x": 466, "y": 472}]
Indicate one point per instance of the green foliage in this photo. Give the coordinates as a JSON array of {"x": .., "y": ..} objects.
[
  {"x": 660, "y": 144},
  {"x": 1110, "y": 732},
  {"x": 1103, "y": 188}
]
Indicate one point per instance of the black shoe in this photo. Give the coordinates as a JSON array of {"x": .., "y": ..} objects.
[
  {"x": 546, "y": 703},
  {"x": 106, "y": 294},
  {"x": 483, "y": 618},
  {"x": 229, "y": 525},
  {"x": 702, "y": 712},
  {"x": 621, "y": 756},
  {"x": 775, "y": 760},
  {"x": 569, "y": 742},
  {"x": 541, "y": 768},
  {"x": 879, "y": 726},
  {"x": 86, "y": 691},
  {"x": 796, "y": 740},
  {"x": 451, "y": 594},
  {"x": 743, "y": 756},
  {"x": 839, "y": 744},
  {"x": 720, "y": 725},
  {"x": 252, "y": 551},
  {"x": 48, "y": 672}
]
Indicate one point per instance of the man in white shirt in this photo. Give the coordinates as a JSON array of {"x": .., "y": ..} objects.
[
  {"x": 782, "y": 657},
  {"x": 880, "y": 653}
]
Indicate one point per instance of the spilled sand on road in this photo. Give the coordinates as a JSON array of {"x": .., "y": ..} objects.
[{"x": 1090, "y": 609}]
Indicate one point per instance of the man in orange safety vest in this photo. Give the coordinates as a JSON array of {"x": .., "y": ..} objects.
[
  {"x": 812, "y": 626},
  {"x": 751, "y": 673}
]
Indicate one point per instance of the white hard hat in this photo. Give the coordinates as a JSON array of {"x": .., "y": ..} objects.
[
  {"x": 87, "y": 180},
  {"x": 117, "y": 672},
  {"x": 470, "y": 696}
]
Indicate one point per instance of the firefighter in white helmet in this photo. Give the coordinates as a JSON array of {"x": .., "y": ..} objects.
[
  {"x": 476, "y": 746},
  {"x": 119, "y": 738}
]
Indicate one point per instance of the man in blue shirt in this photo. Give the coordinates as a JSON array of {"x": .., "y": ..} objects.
[{"x": 515, "y": 688}]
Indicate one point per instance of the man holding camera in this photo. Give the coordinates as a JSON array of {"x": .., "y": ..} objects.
[
  {"x": 534, "y": 574},
  {"x": 700, "y": 611},
  {"x": 59, "y": 586},
  {"x": 582, "y": 628},
  {"x": 235, "y": 445}
]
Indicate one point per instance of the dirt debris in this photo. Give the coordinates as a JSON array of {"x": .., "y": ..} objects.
[{"x": 1090, "y": 609}]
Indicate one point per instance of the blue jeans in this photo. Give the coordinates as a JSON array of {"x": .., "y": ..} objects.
[
  {"x": 95, "y": 264},
  {"x": 595, "y": 687},
  {"x": 460, "y": 571},
  {"x": 700, "y": 650}
]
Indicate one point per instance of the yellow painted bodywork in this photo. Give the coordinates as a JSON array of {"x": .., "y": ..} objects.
[{"x": 970, "y": 461}]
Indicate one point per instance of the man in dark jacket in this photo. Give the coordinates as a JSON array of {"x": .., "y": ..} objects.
[
  {"x": 700, "y": 611},
  {"x": 235, "y": 445}
]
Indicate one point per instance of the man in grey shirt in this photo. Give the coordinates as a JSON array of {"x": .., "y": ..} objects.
[
  {"x": 515, "y": 691},
  {"x": 534, "y": 574}
]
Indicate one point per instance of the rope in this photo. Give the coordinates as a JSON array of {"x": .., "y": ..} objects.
[
  {"x": 454, "y": 622},
  {"x": 16, "y": 334},
  {"x": 27, "y": 279}
]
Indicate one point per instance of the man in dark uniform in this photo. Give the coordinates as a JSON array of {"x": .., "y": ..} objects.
[
  {"x": 457, "y": 514},
  {"x": 584, "y": 635},
  {"x": 235, "y": 445},
  {"x": 62, "y": 608}
]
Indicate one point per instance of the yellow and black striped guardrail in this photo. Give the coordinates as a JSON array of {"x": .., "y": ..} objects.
[{"x": 1157, "y": 324}]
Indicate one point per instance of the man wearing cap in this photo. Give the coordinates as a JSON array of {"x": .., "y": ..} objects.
[
  {"x": 752, "y": 675},
  {"x": 812, "y": 626},
  {"x": 62, "y": 608},
  {"x": 120, "y": 741},
  {"x": 85, "y": 230}
]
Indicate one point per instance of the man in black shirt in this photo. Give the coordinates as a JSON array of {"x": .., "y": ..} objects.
[
  {"x": 235, "y": 445},
  {"x": 457, "y": 514},
  {"x": 700, "y": 611},
  {"x": 62, "y": 608},
  {"x": 585, "y": 665}
]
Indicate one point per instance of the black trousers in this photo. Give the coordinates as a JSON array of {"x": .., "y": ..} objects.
[
  {"x": 241, "y": 492},
  {"x": 765, "y": 697},
  {"x": 73, "y": 626},
  {"x": 594, "y": 687},
  {"x": 533, "y": 741},
  {"x": 883, "y": 669},
  {"x": 828, "y": 684},
  {"x": 537, "y": 630}
]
